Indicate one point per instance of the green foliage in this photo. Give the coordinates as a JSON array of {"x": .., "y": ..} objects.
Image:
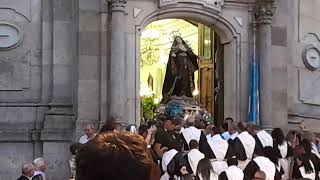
[{"x": 148, "y": 107}]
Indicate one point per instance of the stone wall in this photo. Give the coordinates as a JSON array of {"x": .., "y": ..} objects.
[
  {"x": 303, "y": 84},
  {"x": 92, "y": 65},
  {"x": 280, "y": 51},
  {"x": 37, "y": 89}
]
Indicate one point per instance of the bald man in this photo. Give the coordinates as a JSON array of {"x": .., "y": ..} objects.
[{"x": 27, "y": 171}]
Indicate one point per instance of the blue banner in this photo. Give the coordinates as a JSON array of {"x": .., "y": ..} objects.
[{"x": 254, "y": 102}]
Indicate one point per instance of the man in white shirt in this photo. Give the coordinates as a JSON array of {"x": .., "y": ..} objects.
[
  {"x": 89, "y": 129},
  {"x": 40, "y": 168}
]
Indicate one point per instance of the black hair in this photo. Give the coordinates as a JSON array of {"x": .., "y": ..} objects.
[
  {"x": 216, "y": 130},
  {"x": 232, "y": 162},
  {"x": 272, "y": 154},
  {"x": 278, "y": 136},
  {"x": 193, "y": 144},
  {"x": 242, "y": 126},
  {"x": 151, "y": 123},
  {"x": 109, "y": 126},
  {"x": 229, "y": 119},
  {"x": 74, "y": 147},
  {"x": 204, "y": 168},
  {"x": 177, "y": 146},
  {"x": 306, "y": 146},
  {"x": 225, "y": 126},
  {"x": 305, "y": 161},
  {"x": 142, "y": 129}
]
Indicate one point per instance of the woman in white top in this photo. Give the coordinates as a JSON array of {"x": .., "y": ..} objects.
[{"x": 205, "y": 170}]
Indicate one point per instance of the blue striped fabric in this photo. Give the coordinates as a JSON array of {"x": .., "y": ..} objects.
[{"x": 254, "y": 112}]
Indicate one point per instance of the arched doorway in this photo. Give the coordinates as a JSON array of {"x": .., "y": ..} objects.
[
  {"x": 229, "y": 38},
  {"x": 155, "y": 45}
]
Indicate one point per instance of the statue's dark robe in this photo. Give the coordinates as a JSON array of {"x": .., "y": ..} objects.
[{"x": 179, "y": 78}]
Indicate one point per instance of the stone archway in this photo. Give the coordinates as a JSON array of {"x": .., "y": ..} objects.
[{"x": 230, "y": 38}]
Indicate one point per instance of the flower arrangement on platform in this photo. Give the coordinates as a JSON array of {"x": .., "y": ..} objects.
[{"x": 149, "y": 104}]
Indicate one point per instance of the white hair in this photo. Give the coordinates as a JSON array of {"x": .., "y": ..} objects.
[
  {"x": 90, "y": 125},
  {"x": 38, "y": 163},
  {"x": 27, "y": 167}
]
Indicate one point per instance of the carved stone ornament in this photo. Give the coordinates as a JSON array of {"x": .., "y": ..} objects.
[
  {"x": 213, "y": 4},
  {"x": 311, "y": 57},
  {"x": 264, "y": 11},
  {"x": 117, "y": 5},
  {"x": 10, "y": 36}
]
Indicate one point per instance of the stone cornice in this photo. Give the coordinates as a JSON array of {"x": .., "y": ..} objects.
[
  {"x": 117, "y": 5},
  {"x": 264, "y": 11}
]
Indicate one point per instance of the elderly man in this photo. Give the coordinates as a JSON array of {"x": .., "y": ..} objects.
[
  {"x": 89, "y": 129},
  {"x": 27, "y": 172},
  {"x": 40, "y": 169}
]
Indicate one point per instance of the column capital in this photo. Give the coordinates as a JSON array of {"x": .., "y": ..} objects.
[
  {"x": 117, "y": 5},
  {"x": 264, "y": 11}
]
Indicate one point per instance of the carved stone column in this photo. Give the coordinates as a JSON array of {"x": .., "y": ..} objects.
[
  {"x": 117, "y": 61},
  {"x": 263, "y": 15}
]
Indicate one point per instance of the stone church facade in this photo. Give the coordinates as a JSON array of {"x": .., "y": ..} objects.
[{"x": 64, "y": 63}]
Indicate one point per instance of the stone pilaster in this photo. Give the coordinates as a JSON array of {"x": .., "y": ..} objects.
[
  {"x": 117, "y": 61},
  {"x": 263, "y": 16}
]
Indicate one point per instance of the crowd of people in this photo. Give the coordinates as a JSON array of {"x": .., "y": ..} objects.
[{"x": 174, "y": 149}]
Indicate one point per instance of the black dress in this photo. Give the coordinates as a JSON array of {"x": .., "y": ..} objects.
[
  {"x": 179, "y": 78},
  {"x": 22, "y": 178}
]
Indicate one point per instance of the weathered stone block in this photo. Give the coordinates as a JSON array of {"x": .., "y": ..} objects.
[
  {"x": 89, "y": 43},
  {"x": 279, "y": 36},
  {"x": 62, "y": 83},
  {"x": 14, "y": 155},
  {"x": 63, "y": 38},
  {"x": 15, "y": 71},
  {"x": 279, "y": 78},
  {"x": 89, "y": 67},
  {"x": 62, "y": 10},
  {"x": 57, "y": 156},
  {"x": 31, "y": 35},
  {"x": 17, "y": 114},
  {"x": 58, "y": 122},
  {"x": 88, "y": 91},
  {"x": 89, "y": 21},
  {"x": 279, "y": 100},
  {"x": 309, "y": 86},
  {"x": 92, "y": 5},
  {"x": 88, "y": 111}
]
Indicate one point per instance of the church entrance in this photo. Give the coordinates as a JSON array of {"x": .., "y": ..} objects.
[{"x": 155, "y": 49}]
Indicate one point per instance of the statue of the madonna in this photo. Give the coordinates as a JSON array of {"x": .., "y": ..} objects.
[{"x": 179, "y": 78}]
